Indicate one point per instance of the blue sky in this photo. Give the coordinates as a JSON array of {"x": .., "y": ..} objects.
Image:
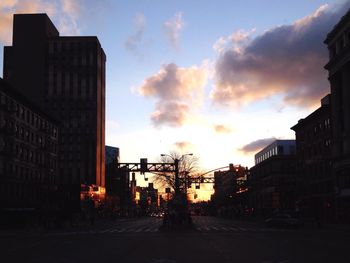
[{"x": 219, "y": 79}]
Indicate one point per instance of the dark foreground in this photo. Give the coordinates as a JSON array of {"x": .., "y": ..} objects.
[{"x": 210, "y": 240}]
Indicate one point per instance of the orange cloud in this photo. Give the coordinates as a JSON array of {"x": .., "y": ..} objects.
[
  {"x": 170, "y": 113},
  {"x": 65, "y": 14},
  {"x": 183, "y": 146},
  {"x": 287, "y": 60},
  {"x": 177, "y": 90},
  {"x": 220, "y": 128}
]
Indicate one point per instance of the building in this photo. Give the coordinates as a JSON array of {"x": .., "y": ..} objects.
[
  {"x": 118, "y": 185},
  {"x": 271, "y": 181},
  {"x": 224, "y": 191},
  {"x": 112, "y": 154},
  {"x": 278, "y": 147},
  {"x": 112, "y": 157},
  {"x": 338, "y": 42},
  {"x": 65, "y": 77},
  {"x": 28, "y": 153},
  {"x": 224, "y": 184},
  {"x": 147, "y": 198},
  {"x": 315, "y": 183},
  {"x": 230, "y": 191}
]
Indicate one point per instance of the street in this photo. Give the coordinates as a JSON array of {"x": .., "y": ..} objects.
[{"x": 210, "y": 240}]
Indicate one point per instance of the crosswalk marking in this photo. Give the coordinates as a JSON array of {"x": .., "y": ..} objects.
[{"x": 149, "y": 229}]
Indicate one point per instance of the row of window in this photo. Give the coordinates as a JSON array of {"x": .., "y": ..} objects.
[
  {"x": 34, "y": 139},
  {"x": 322, "y": 126},
  {"x": 34, "y": 157},
  {"x": 68, "y": 84},
  {"x": 21, "y": 192},
  {"x": 72, "y": 46},
  {"x": 29, "y": 117},
  {"x": 316, "y": 170},
  {"x": 73, "y": 60},
  {"x": 320, "y": 129},
  {"x": 342, "y": 42},
  {"x": 311, "y": 151},
  {"x": 278, "y": 150},
  {"x": 29, "y": 175}
]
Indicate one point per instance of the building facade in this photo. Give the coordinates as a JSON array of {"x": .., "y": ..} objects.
[
  {"x": 112, "y": 154},
  {"x": 65, "y": 77},
  {"x": 315, "y": 183},
  {"x": 28, "y": 153},
  {"x": 271, "y": 181},
  {"x": 147, "y": 198},
  {"x": 278, "y": 147},
  {"x": 338, "y": 42}
]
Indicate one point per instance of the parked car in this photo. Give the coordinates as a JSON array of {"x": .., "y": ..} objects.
[{"x": 283, "y": 220}]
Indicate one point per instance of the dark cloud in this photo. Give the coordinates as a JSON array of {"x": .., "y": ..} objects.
[
  {"x": 286, "y": 60},
  {"x": 257, "y": 145}
]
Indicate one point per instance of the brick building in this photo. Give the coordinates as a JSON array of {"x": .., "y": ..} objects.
[
  {"x": 315, "y": 183},
  {"x": 338, "y": 42},
  {"x": 28, "y": 153}
]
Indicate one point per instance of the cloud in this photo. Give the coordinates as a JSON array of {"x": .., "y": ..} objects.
[
  {"x": 65, "y": 14},
  {"x": 172, "y": 29},
  {"x": 170, "y": 113},
  {"x": 220, "y": 128},
  {"x": 134, "y": 41},
  {"x": 183, "y": 146},
  {"x": 236, "y": 41},
  {"x": 257, "y": 145},
  {"x": 178, "y": 90},
  {"x": 70, "y": 11},
  {"x": 286, "y": 60}
]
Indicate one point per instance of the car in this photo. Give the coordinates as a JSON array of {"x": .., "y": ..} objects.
[{"x": 283, "y": 220}]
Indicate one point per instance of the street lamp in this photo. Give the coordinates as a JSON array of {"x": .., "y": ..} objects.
[{"x": 176, "y": 163}]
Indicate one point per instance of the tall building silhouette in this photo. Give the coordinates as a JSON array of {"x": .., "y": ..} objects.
[
  {"x": 338, "y": 42},
  {"x": 65, "y": 77}
]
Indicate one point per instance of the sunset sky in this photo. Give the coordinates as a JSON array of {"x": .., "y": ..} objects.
[{"x": 219, "y": 79}]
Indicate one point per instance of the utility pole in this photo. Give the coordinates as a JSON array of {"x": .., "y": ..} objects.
[{"x": 177, "y": 181}]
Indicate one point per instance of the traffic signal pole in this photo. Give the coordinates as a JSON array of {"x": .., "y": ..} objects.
[{"x": 177, "y": 181}]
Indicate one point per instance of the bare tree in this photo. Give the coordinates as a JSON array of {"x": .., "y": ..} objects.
[{"x": 188, "y": 167}]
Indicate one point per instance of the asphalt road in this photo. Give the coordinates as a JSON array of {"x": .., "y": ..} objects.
[{"x": 210, "y": 240}]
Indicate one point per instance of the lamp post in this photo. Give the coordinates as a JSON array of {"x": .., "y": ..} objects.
[{"x": 176, "y": 164}]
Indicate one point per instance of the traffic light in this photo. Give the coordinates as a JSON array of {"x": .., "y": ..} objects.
[{"x": 143, "y": 166}]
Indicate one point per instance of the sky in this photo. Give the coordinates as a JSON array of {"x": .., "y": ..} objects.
[{"x": 220, "y": 79}]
